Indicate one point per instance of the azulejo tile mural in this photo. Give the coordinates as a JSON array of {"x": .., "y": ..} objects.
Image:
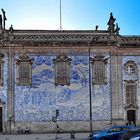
[
  {"x": 4, "y": 88},
  {"x": 39, "y": 101}
]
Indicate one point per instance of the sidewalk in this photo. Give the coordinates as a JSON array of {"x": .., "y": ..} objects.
[{"x": 62, "y": 136}]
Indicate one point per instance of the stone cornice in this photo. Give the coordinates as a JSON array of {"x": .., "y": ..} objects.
[
  {"x": 129, "y": 41},
  {"x": 77, "y": 36},
  {"x": 45, "y": 32},
  {"x": 68, "y": 37}
]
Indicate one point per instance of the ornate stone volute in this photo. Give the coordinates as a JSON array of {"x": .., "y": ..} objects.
[
  {"x": 24, "y": 58},
  {"x": 111, "y": 24},
  {"x": 99, "y": 57},
  {"x": 131, "y": 107},
  {"x": 60, "y": 58}
]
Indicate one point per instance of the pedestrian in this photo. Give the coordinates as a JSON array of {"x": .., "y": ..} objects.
[
  {"x": 19, "y": 130},
  {"x": 127, "y": 123},
  {"x": 132, "y": 123}
]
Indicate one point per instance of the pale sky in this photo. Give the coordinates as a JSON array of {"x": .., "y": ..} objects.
[{"x": 76, "y": 14}]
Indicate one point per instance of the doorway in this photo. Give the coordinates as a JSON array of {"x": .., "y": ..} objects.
[
  {"x": 0, "y": 119},
  {"x": 131, "y": 116}
]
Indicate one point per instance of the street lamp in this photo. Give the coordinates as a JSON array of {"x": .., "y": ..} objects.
[
  {"x": 94, "y": 39},
  {"x": 90, "y": 98}
]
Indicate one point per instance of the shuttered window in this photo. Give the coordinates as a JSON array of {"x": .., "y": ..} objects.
[
  {"x": 131, "y": 94},
  {"x": 24, "y": 71},
  {"x": 99, "y": 70},
  {"x": 62, "y": 70}
]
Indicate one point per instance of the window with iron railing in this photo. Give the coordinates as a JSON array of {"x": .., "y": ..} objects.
[
  {"x": 24, "y": 70},
  {"x": 99, "y": 70},
  {"x": 62, "y": 70},
  {"x": 131, "y": 94}
]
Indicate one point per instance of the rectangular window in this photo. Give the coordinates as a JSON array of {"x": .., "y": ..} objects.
[
  {"x": 62, "y": 72},
  {"x": 131, "y": 94},
  {"x": 99, "y": 72},
  {"x": 24, "y": 71}
]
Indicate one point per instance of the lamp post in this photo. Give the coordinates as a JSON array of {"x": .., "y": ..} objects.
[
  {"x": 90, "y": 45},
  {"x": 90, "y": 98}
]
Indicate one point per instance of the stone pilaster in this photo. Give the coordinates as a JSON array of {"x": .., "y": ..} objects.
[
  {"x": 10, "y": 91},
  {"x": 116, "y": 88}
]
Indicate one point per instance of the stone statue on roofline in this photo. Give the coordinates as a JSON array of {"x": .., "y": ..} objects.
[
  {"x": 11, "y": 29},
  {"x": 111, "y": 24},
  {"x": 117, "y": 29},
  {"x": 0, "y": 21}
]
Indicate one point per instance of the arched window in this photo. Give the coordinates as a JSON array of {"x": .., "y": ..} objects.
[
  {"x": 24, "y": 70},
  {"x": 130, "y": 68},
  {"x": 62, "y": 70}
]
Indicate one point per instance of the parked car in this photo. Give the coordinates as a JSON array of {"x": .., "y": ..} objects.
[
  {"x": 130, "y": 134},
  {"x": 136, "y": 137},
  {"x": 112, "y": 133}
]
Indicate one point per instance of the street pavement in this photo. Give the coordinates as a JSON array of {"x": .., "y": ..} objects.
[{"x": 62, "y": 136}]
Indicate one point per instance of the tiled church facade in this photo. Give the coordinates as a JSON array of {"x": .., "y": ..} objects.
[{"x": 34, "y": 105}]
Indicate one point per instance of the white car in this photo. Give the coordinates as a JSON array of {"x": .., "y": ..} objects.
[{"x": 136, "y": 138}]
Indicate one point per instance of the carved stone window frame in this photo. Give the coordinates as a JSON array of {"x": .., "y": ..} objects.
[
  {"x": 130, "y": 98},
  {"x": 62, "y": 70},
  {"x": 99, "y": 70},
  {"x": 21, "y": 64},
  {"x": 130, "y": 68},
  {"x": 1, "y": 69}
]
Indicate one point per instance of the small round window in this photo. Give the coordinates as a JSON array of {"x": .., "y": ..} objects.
[{"x": 130, "y": 69}]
